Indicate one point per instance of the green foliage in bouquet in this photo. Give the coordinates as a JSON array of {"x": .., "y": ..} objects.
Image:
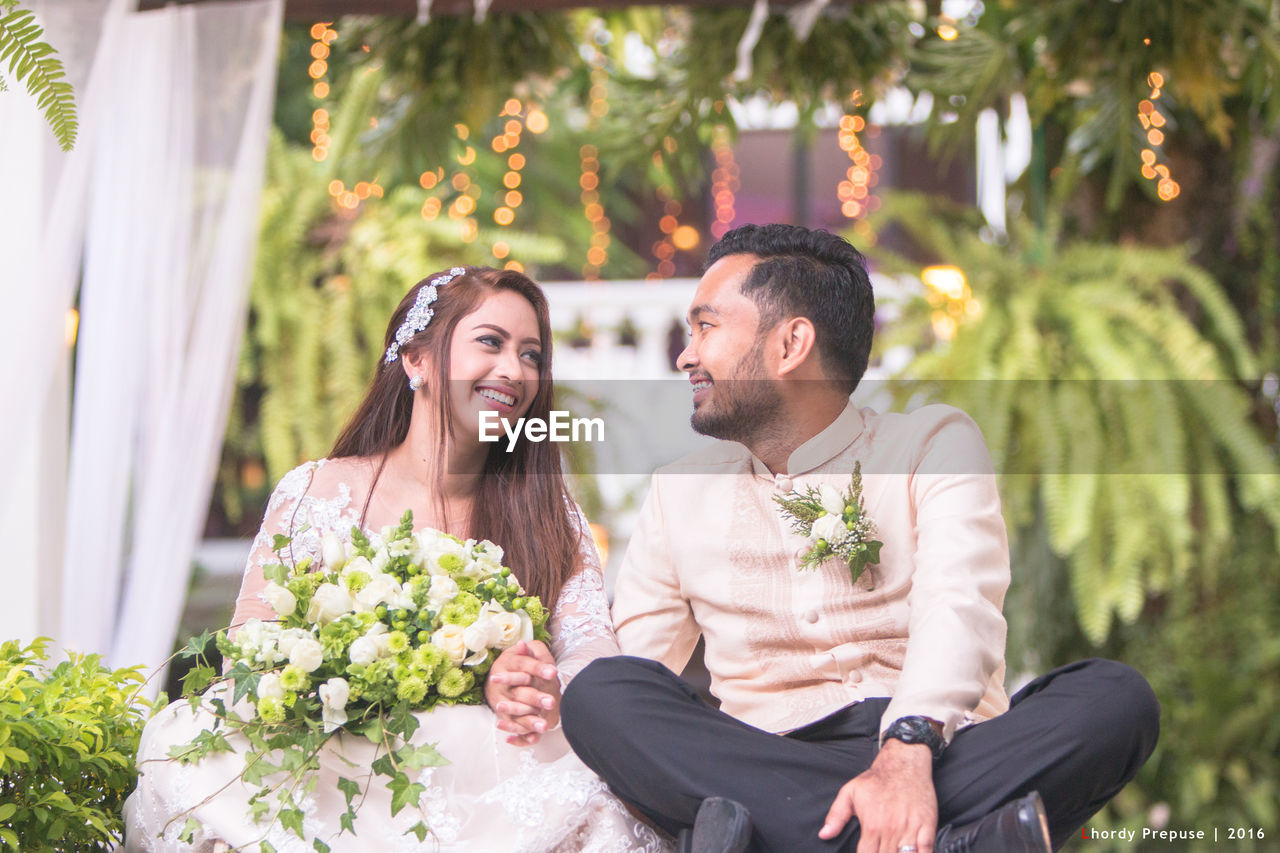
[
  {"x": 1081, "y": 362},
  {"x": 68, "y": 736},
  {"x": 34, "y": 62},
  {"x": 385, "y": 626}
]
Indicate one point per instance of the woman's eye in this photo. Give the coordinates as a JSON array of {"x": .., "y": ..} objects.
[
  {"x": 490, "y": 340},
  {"x": 533, "y": 356}
]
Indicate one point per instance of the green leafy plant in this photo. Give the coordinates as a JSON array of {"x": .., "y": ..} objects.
[
  {"x": 32, "y": 61},
  {"x": 1080, "y": 362},
  {"x": 68, "y": 736}
]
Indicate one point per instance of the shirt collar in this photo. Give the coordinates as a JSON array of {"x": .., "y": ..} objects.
[{"x": 821, "y": 448}]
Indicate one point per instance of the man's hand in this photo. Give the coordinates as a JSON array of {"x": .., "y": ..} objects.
[
  {"x": 524, "y": 692},
  {"x": 894, "y": 801}
]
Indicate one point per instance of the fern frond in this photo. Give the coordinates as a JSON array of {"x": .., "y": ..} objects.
[{"x": 32, "y": 61}]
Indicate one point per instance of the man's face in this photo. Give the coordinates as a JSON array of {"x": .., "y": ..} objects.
[{"x": 734, "y": 396}]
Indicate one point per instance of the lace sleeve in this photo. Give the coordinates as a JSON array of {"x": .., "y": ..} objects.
[
  {"x": 580, "y": 626},
  {"x": 281, "y": 516}
]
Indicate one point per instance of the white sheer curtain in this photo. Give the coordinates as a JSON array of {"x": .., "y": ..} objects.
[
  {"x": 41, "y": 234},
  {"x": 172, "y": 227}
]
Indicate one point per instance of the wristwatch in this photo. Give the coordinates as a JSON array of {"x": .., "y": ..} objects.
[{"x": 915, "y": 730}]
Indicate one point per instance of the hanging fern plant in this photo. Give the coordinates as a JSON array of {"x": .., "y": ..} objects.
[
  {"x": 1107, "y": 410},
  {"x": 33, "y": 62}
]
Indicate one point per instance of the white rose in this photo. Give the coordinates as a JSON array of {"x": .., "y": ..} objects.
[
  {"x": 380, "y": 559},
  {"x": 328, "y": 603},
  {"x": 332, "y": 551},
  {"x": 289, "y": 638},
  {"x": 511, "y": 628},
  {"x": 830, "y": 528},
  {"x": 364, "y": 650},
  {"x": 381, "y": 589},
  {"x": 358, "y": 564},
  {"x": 480, "y": 634},
  {"x": 281, "y": 600},
  {"x": 333, "y": 702},
  {"x": 449, "y": 639},
  {"x": 307, "y": 655},
  {"x": 249, "y": 635},
  {"x": 269, "y": 686},
  {"x": 443, "y": 590},
  {"x": 831, "y": 499}
]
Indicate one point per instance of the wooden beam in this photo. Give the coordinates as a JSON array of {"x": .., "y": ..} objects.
[{"x": 332, "y": 10}]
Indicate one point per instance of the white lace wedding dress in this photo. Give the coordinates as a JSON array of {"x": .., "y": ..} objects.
[{"x": 492, "y": 796}]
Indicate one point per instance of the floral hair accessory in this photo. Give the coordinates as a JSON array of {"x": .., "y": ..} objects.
[
  {"x": 421, "y": 312},
  {"x": 835, "y": 525}
]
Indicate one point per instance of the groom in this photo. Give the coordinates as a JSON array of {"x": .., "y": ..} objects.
[{"x": 854, "y": 716}]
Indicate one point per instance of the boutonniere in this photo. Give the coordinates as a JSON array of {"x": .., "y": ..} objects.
[{"x": 834, "y": 524}]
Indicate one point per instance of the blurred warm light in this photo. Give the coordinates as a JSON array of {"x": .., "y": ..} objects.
[
  {"x": 320, "y": 50},
  {"x": 499, "y": 144},
  {"x": 470, "y": 231},
  {"x": 461, "y": 181},
  {"x": 515, "y": 162},
  {"x": 588, "y": 181},
  {"x": 944, "y": 326},
  {"x": 335, "y": 188},
  {"x": 513, "y": 127},
  {"x": 945, "y": 279},
  {"x": 946, "y": 32},
  {"x": 468, "y": 156},
  {"x": 318, "y": 69},
  {"x": 588, "y": 152},
  {"x": 317, "y": 30},
  {"x": 1155, "y": 137},
  {"x": 504, "y": 216},
  {"x": 512, "y": 107},
  {"x": 513, "y": 265},
  {"x": 1155, "y": 79},
  {"x": 320, "y": 116},
  {"x": 500, "y": 250},
  {"x": 318, "y": 153},
  {"x": 514, "y": 198},
  {"x": 686, "y": 237},
  {"x": 320, "y": 89},
  {"x": 428, "y": 180},
  {"x": 330, "y": 35},
  {"x": 431, "y": 208},
  {"x": 1148, "y": 157},
  {"x": 511, "y": 180},
  {"x": 71, "y": 328},
  {"x": 462, "y": 131},
  {"x": 362, "y": 190},
  {"x": 668, "y": 224},
  {"x": 537, "y": 121},
  {"x": 464, "y": 204},
  {"x": 596, "y": 256}
]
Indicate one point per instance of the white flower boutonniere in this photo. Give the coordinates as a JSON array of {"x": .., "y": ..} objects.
[{"x": 835, "y": 525}]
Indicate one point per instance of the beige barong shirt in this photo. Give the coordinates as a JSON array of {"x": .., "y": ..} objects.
[{"x": 713, "y": 555}]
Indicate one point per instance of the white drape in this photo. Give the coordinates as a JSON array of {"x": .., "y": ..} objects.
[
  {"x": 41, "y": 234},
  {"x": 162, "y": 193},
  {"x": 172, "y": 228}
]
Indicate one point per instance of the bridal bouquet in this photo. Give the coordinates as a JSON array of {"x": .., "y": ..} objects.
[
  {"x": 387, "y": 625},
  {"x": 834, "y": 523}
]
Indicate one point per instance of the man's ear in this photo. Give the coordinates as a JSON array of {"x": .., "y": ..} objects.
[{"x": 798, "y": 340}]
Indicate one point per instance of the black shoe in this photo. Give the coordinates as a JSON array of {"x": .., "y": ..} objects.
[
  {"x": 722, "y": 826},
  {"x": 1016, "y": 827}
]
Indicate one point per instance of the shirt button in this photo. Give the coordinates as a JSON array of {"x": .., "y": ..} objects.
[
  {"x": 853, "y": 677},
  {"x": 783, "y": 482},
  {"x": 811, "y": 616}
]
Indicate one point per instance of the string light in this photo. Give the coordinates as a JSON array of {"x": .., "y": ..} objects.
[
  {"x": 854, "y": 191},
  {"x": 665, "y": 249},
  {"x": 589, "y": 170},
  {"x": 724, "y": 182},
  {"x": 322, "y": 34},
  {"x": 1152, "y": 121},
  {"x": 950, "y": 297}
]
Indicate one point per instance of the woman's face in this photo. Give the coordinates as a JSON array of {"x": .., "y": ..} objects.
[{"x": 494, "y": 358}]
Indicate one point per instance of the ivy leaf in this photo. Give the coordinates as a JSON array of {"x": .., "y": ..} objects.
[
  {"x": 372, "y": 730},
  {"x": 404, "y": 793},
  {"x": 276, "y": 572},
  {"x": 291, "y": 819},
  {"x": 196, "y": 645},
  {"x": 421, "y": 830},
  {"x": 188, "y": 832},
  {"x": 279, "y": 542},
  {"x": 320, "y": 846},
  {"x": 346, "y": 820},
  {"x": 197, "y": 679},
  {"x": 418, "y": 757},
  {"x": 349, "y": 788}
]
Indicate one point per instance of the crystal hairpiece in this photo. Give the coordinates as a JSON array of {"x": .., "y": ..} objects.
[{"x": 421, "y": 312}]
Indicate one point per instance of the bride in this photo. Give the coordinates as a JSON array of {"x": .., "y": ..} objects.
[{"x": 465, "y": 341}]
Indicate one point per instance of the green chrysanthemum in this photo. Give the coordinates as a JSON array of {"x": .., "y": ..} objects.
[{"x": 454, "y": 683}]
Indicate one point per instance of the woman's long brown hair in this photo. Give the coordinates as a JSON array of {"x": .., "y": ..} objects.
[{"x": 522, "y": 503}]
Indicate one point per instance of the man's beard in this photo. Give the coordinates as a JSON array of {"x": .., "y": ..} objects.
[{"x": 743, "y": 406}]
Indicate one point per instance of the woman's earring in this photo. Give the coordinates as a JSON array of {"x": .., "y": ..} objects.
[{"x": 415, "y": 383}]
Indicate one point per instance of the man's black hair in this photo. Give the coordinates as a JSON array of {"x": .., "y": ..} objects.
[{"x": 804, "y": 272}]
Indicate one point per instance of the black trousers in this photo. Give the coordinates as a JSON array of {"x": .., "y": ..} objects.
[{"x": 1077, "y": 735}]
